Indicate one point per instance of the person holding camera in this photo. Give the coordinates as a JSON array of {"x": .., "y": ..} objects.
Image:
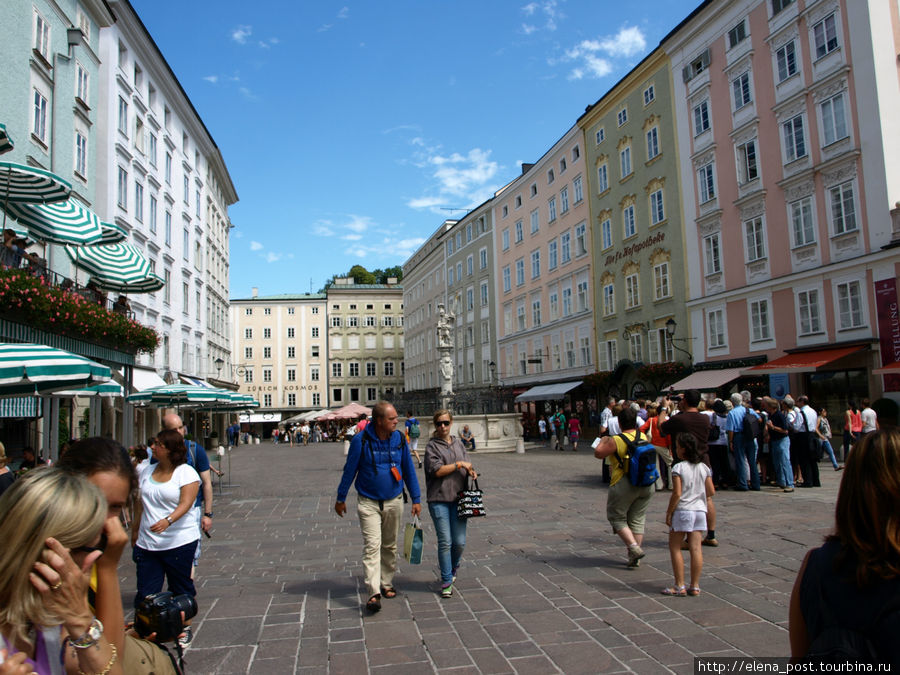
[
  {"x": 51, "y": 523},
  {"x": 164, "y": 536}
]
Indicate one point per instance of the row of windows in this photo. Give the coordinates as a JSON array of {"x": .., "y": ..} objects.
[
  {"x": 661, "y": 289},
  {"x": 267, "y": 311},
  {"x": 655, "y": 347},
  {"x": 519, "y": 228},
  {"x": 626, "y": 167},
  {"x": 556, "y": 310},
  {"x": 551, "y": 177},
  {"x": 648, "y": 96},
  {"x": 559, "y": 252},
  {"x": 291, "y": 400},
  {"x": 455, "y": 274},
  {"x": 337, "y": 369},
  {"x": 472, "y": 230},
  {"x": 556, "y": 357}
]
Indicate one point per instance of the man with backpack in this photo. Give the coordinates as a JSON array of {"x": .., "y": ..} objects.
[
  {"x": 559, "y": 427},
  {"x": 412, "y": 435},
  {"x": 634, "y": 474},
  {"x": 743, "y": 426}
]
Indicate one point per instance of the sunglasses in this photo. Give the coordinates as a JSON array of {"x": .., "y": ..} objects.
[
  {"x": 443, "y": 423},
  {"x": 101, "y": 546}
]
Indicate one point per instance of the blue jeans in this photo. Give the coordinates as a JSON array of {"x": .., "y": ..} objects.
[
  {"x": 781, "y": 458},
  {"x": 154, "y": 567},
  {"x": 825, "y": 444},
  {"x": 745, "y": 451},
  {"x": 451, "y": 537}
]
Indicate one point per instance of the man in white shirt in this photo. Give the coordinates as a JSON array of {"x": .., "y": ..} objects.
[
  {"x": 805, "y": 430},
  {"x": 868, "y": 417}
]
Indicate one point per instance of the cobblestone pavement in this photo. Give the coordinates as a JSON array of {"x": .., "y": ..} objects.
[{"x": 543, "y": 587}]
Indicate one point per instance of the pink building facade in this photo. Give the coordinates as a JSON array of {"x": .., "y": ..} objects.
[{"x": 787, "y": 124}]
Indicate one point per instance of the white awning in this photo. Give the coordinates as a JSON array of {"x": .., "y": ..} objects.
[
  {"x": 196, "y": 381},
  {"x": 20, "y": 406},
  {"x": 547, "y": 392},
  {"x": 260, "y": 417},
  {"x": 705, "y": 380},
  {"x": 142, "y": 378}
]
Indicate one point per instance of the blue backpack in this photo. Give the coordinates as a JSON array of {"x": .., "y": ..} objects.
[{"x": 640, "y": 460}]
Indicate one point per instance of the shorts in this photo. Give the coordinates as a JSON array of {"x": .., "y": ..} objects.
[
  {"x": 688, "y": 521},
  {"x": 573, "y": 436},
  {"x": 414, "y": 444},
  {"x": 626, "y": 506}
]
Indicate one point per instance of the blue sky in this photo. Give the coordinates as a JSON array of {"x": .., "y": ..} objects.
[{"x": 349, "y": 127}]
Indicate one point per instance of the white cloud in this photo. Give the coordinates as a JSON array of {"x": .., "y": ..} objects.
[
  {"x": 212, "y": 79},
  {"x": 595, "y": 58},
  {"x": 458, "y": 175},
  {"x": 528, "y": 29},
  {"x": 256, "y": 246},
  {"x": 324, "y": 28},
  {"x": 344, "y": 13},
  {"x": 241, "y": 33},
  {"x": 545, "y": 10}
]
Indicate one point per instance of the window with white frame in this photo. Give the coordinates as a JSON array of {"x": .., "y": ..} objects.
[
  {"x": 567, "y": 301},
  {"x": 636, "y": 346},
  {"x": 248, "y": 353},
  {"x": 850, "y": 309},
  {"x": 622, "y": 116},
  {"x": 581, "y": 296},
  {"x": 760, "y": 326},
  {"x": 649, "y": 95},
  {"x": 554, "y": 305},
  {"x": 371, "y": 369},
  {"x": 707, "y": 183},
  {"x": 81, "y": 83},
  {"x": 122, "y": 188},
  {"x": 484, "y": 293},
  {"x": 701, "y": 117},
  {"x": 482, "y": 259},
  {"x": 632, "y": 291},
  {"x": 825, "y": 36},
  {"x": 570, "y": 353},
  {"x": 715, "y": 328},
  {"x": 652, "y": 143},
  {"x": 748, "y": 169},
  {"x": 602, "y": 178},
  {"x": 737, "y": 34},
  {"x": 550, "y": 176},
  {"x": 168, "y": 168},
  {"x": 520, "y": 271},
  {"x": 551, "y": 209},
  {"x": 535, "y": 264},
  {"x": 843, "y": 209},
  {"x": 778, "y": 5},
  {"x": 504, "y": 237},
  {"x": 657, "y": 210},
  {"x": 786, "y": 61},
  {"x": 606, "y": 233},
  {"x": 248, "y": 333},
  {"x": 552, "y": 255},
  {"x": 139, "y": 202},
  {"x": 565, "y": 247},
  {"x": 564, "y": 200},
  {"x": 662, "y": 349},
  {"x": 740, "y": 90},
  {"x": 469, "y": 226},
  {"x": 267, "y": 352},
  {"x": 168, "y": 228},
  {"x": 81, "y": 154},
  {"x": 712, "y": 254},
  {"x": 580, "y": 239},
  {"x": 535, "y": 221},
  {"x": 39, "y": 120},
  {"x": 625, "y": 161},
  {"x": 536, "y": 312},
  {"x": 600, "y": 135},
  {"x": 609, "y": 355},
  {"x": 577, "y": 189},
  {"x": 336, "y": 369},
  {"x": 755, "y": 237},
  {"x": 507, "y": 283},
  {"x": 808, "y": 312},
  {"x": 629, "y": 227},
  {"x": 152, "y": 214},
  {"x": 451, "y": 275},
  {"x": 41, "y": 36},
  {"x": 314, "y": 331},
  {"x": 389, "y": 368},
  {"x": 152, "y": 148},
  {"x": 834, "y": 119},
  {"x": 520, "y": 316},
  {"x": 802, "y": 224},
  {"x": 470, "y": 299},
  {"x": 470, "y": 265},
  {"x": 661, "y": 281},
  {"x": 507, "y": 320},
  {"x": 519, "y": 232},
  {"x": 609, "y": 299},
  {"x": 794, "y": 138}
]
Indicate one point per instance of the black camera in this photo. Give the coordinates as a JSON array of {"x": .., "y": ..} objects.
[{"x": 160, "y": 613}]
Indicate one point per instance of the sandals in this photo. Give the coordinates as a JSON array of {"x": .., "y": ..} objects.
[
  {"x": 388, "y": 592},
  {"x": 677, "y": 591},
  {"x": 693, "y": 591},
  {"x": 374, "y": 603}
]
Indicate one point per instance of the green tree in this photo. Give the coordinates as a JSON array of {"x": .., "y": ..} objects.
[{"x": 361, "y": 275}]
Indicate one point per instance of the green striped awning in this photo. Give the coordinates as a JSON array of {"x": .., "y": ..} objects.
[
  {"x": 116, "y": 267},
  {"x": 179, "y": 395},
  {"x": 37, "y": 369},
  {"x": 67, "y": 222},
  {"x": 30, "y": 185},
  {"x": 20, "y": 406},
  {"x": 112, "y": 234},
  {"x": 105, "y": 390},
  {"x": 6, "y": 143}
]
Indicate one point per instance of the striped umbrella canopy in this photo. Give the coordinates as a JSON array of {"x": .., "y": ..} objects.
[
  {"x": 236, "y": 401},
  {"x": 30, "y": 185},
  {"x": 116, "y": 267},
  {"x": 66, "y": 222},
  {"x": 38, "y": 369},
  {"x": 6, "y": 143},
  {"x": 112, "y": 234},
  {"x": 105, "y": 390},
  {"x": 178, "y": 396}
]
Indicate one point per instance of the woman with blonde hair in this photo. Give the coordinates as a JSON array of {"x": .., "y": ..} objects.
[
  {"x": 6, "y": 476},
  {"x": 50, "y": 526},
  {"x": 847, "y": 590},
  {"x": 447, "y": 468}
]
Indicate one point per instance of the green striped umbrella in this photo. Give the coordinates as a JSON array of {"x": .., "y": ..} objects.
[
  {"x": 112, "y": 234},
  {"x": 30, "y": 185},
  {"x": 67, "y": 222},
  {"x": 236, "y": 401},
  {"x": 105, "y": 390},
  {"x": 116, "y": 267},
  {"x": 38, "y": 369},
  {"x": 6, "y": 143},
  {"x": 178, "y": 395}
]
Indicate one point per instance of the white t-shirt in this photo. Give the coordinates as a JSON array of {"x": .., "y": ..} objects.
[
  {"x": 693, "y": 485},
  {"x": 868, "y": 417},
  {"x": 160, "y": 500}
]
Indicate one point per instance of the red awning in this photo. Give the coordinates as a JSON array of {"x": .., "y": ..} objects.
[
  {"x": 803, "y": 362},
  {"x": 889, "y": 369}
]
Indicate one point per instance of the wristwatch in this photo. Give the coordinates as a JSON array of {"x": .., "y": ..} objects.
[
  {"x": 169, "y": 520},
  {"x": 208, "y": 514},
  {"x": 90, "y": 636}
]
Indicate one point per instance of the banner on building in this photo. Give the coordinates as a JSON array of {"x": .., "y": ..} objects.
[{"x": 888, "y": 328}]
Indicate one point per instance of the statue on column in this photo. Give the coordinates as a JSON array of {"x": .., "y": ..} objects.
[{"x": 445, "y": 322}]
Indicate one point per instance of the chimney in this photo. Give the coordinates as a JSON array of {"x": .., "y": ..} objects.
[
  {"x": 254, "y": 292},
  {"x": 392, "y": 281}
]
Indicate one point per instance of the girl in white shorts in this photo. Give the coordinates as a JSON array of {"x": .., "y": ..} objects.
[{"x": 692, "y": 484}]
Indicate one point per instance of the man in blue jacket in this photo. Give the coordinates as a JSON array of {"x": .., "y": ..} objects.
[{"x": 380, "y": 461}]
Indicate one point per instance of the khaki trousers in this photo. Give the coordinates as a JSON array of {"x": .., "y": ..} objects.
[{"x": 380, "y": 527}]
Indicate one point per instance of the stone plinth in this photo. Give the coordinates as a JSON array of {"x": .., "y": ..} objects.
[{"x": 493, "y": 432}]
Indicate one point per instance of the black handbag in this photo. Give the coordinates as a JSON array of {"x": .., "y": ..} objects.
[{"x": 470, "y": 502}]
